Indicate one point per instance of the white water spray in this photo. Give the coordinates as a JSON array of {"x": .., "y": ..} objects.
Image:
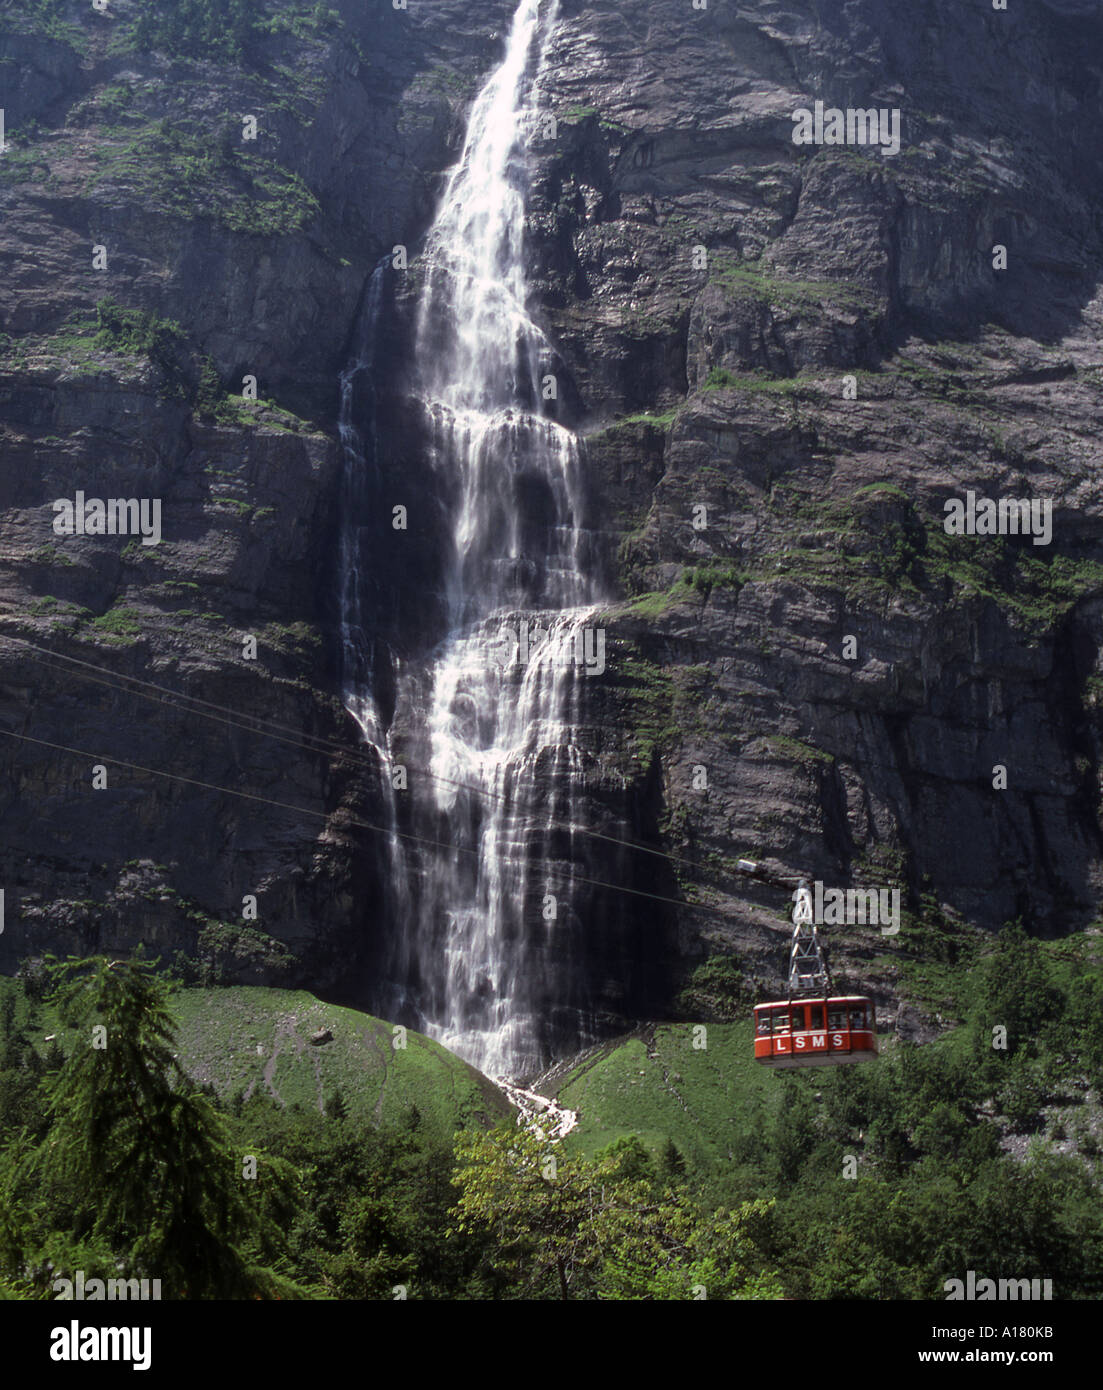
[{"x": 484, "y": 951}]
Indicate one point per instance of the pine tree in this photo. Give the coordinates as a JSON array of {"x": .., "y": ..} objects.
[
  {"x": 7, "y": 1015},
  {"x": 672, "y": 1166},
  {"x": 146, "y": 1159}
]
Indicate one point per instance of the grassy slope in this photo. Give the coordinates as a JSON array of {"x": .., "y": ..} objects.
[
  {"x": 659, "y": 1086},
  {"x": 259, "y": 1039},
  {"x": 656, "y": 1085},
  {"x": 220, "y": 1031}
]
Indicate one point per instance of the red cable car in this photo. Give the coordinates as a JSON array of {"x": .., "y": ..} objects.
[
  {"x": 815, "y": 1032},
  {"x": 819, "y": 1029}
]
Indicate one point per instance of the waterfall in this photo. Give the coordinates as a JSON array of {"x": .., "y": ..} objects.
[
  {"x": 483, "y": 946},
  {"x": 359, "y": 479},
  {"x": 358, "y": 586}
]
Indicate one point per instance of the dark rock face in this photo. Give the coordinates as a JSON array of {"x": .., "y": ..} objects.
[
  {"x": 258, "y": 252},
  {"x": 823, "y": 514},
  {"x": 755, "y": 508}
]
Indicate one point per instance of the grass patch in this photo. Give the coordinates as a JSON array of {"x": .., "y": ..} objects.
[
  {"x": 654, "y": 604},
  {"x": 257, "y": 1040},
  {"x": 662, "y": 705},
  {"x": 651, "y": 691},
  {"x": 22, "y": 164},
  {"x": 87, "y": 337},
  {"x": 118, "y": 626},
  {"x": 443, "y": 81},
  {"x": 296, "y": 639},
  {"x": 47, "y": 554},
  {"x": 796, "y": 751},
  {"x": 715, "y": 989},
  {"x": 834, "y": 542},
  {"x": 243, "y": 509},
  {"x": 691, "y": 584},
  {"x": 881, "y": 490},
  {"x": 663, "y": 1088},
  {"x": 746, "y": 280},
  {"x": 720, "y": 379},
  {"x": 721, "y": 574},
  {"x": 655, "y": 421}
]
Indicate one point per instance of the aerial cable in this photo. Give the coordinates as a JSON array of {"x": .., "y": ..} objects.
[
  {"x": 339, "y": 821},
  {"x": 112, "y": 680}
]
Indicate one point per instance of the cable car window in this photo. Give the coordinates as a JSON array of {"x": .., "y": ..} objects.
[
  {"x": 764, "y": 1023},
  {"x": 836, "y": 1018},
  {"x": 857, "y": 1018},
  {"x": 798, "y": 1020},
  {"x": 815, "y": 1017},
  {"x": 781, "y": 1020}
]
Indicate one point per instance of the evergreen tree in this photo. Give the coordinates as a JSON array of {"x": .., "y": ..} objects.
[
  {"x": 672, "y": 1166},
  {"x": 145, "y": 1160}
]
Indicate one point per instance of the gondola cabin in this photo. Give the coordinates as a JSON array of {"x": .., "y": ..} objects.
[{"x": 815, "y": 1032}]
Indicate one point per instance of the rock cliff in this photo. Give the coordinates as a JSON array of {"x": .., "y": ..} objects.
[{"x": 783, "y": 358}]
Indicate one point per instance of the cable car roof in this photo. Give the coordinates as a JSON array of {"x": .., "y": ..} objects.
[{"x": 816, "y": 999}]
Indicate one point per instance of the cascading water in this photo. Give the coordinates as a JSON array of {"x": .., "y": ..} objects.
[
  {"x": 360, "y": 477},
  {"x": 358, "y": 589},
  {"x": 482, "y": 946}
]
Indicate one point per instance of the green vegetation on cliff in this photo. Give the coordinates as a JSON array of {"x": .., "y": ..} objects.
[
  {"x": 1035, "y": 590},
  {"x": 225, "y": 29},
  {"x": 113, "y": 340},
  {"x": 193, "y": 172},
  {"x": 875, "y": 545},
  {"x": 119, "y": 625},
  {"x": 749, "y": 279},
  {"x": 57, "y": 20}
]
